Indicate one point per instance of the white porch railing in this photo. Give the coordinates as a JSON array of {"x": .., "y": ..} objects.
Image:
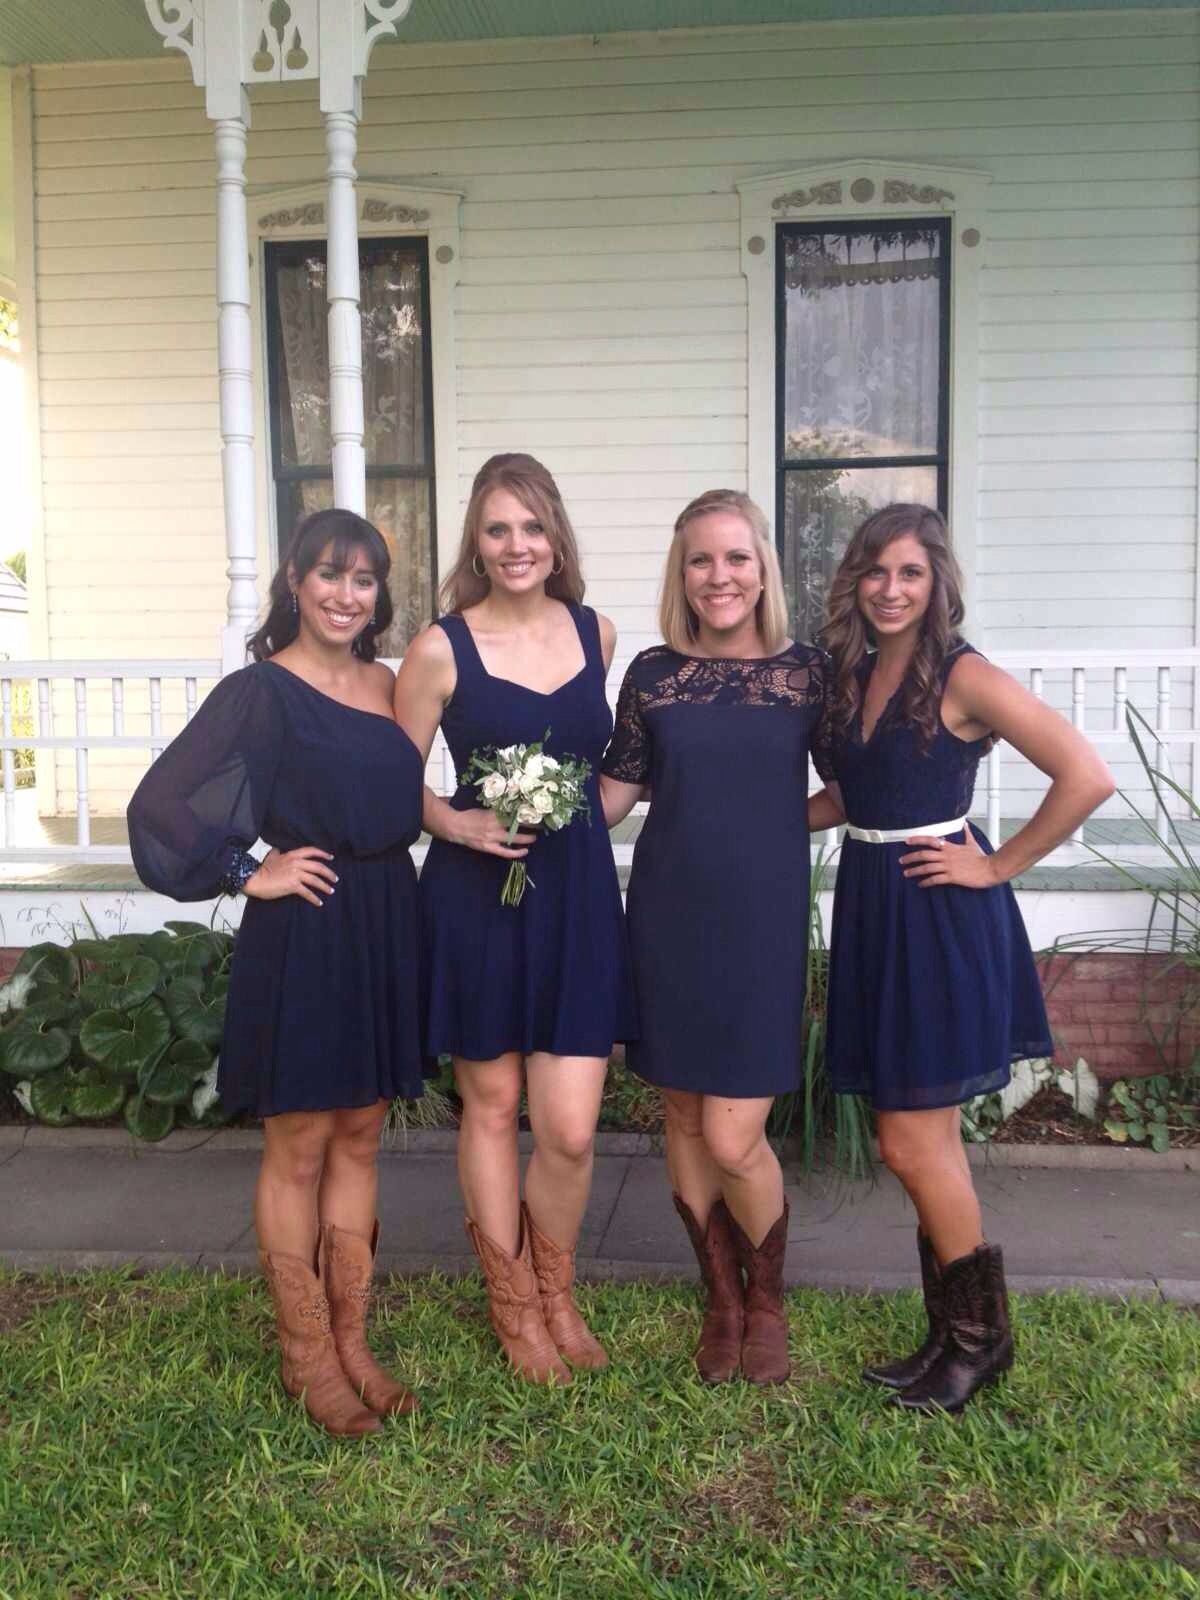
[{"x": 1093, "y": 687}]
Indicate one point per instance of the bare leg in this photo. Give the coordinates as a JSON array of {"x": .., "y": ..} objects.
[
  {"x": 751, "y": 1177},
  {"x": 488, "y": 1170},
  {"x": 295, "y": 1145},
  {"x": 350, "y": 1183},
  {"x": 695, "y": 1176},
  {"x": 564, "y": 1102},
  {"x": 925, "y": 1151}
]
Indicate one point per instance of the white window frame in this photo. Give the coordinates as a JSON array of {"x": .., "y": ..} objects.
[{"x": 857, "y": 191}]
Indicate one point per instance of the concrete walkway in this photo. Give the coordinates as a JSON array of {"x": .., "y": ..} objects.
[{"x": 69, "y": 1205}]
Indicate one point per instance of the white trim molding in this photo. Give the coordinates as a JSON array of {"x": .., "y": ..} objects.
[
  {"x": 856, "y": 191},
  {"x": 385, "y": 207}
]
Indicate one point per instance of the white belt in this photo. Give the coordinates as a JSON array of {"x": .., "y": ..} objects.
[{"x": 934, "y": 830}]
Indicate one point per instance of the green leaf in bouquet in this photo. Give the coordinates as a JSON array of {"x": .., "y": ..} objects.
[
  {"x": 34, "y": 1045},
  {"x": 122, "y": 987},
  {"x": 93, "y": 1095},
  {"x": 50, "y": 962},
  {"x": 170, "y": 1084},
  {"x": 197, "y": 1017},
  {"x": 123, "y": 1042},
  {"x": 48, "y": 1098},
  {"x": 148, "y": 1121}
]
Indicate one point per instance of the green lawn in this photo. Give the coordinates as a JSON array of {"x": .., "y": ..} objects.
[{"x": 146, "y": 1450}]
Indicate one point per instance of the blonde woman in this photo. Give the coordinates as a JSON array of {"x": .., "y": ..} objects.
[
  {"x": 716, "y": 722},
  {"x": 531, "y": 996}
]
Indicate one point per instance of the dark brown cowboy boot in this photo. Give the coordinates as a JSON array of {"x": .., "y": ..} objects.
[
  {"x": 349, "y": 1263},
  {"x": 554, "y": 1268},
  {"x": 719, "y": 1351},
  {"x": 515, "y": 1308},
  {"x": 309, "y": 1363},
  {"x": 979, "y": 1341},
  {"x": 899, "y": 1374},
  {"x": 764, "y": 1344}
]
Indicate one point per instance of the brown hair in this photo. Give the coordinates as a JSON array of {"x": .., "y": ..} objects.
[
  {"x": 533, "y": 486},
  {"x": 346, "y": 532},
  {"x": 676, "y": 620},
  {"x": 846, "y": 634}
]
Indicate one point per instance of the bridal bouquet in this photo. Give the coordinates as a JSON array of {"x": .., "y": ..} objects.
[{"x": 526, "y": 789}]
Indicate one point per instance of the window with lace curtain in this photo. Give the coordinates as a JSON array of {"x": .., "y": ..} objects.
[
  {"x": 862, "y": 371},
  {"x": 397, "y": 406}
]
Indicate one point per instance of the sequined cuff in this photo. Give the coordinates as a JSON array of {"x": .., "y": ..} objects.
[{"x": 239, "y": 866}]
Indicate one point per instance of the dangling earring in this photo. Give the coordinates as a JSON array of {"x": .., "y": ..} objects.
[
  {"x": 295, "y": 604},
  {"x": 557, "y": 571},
  {"x": 477, "y": 566}
]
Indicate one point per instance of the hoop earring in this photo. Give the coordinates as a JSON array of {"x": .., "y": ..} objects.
[
  {"x": 556, "y": 572},
  {"x": 477, "y": 566}
]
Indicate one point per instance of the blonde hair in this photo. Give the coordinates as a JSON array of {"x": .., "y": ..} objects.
[
  {"x": 677, "y": 621},
  {"x": 537, "y": 491}
]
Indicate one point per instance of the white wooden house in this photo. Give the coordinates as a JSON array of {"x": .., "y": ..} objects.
[{"x": 824, "y": 250}]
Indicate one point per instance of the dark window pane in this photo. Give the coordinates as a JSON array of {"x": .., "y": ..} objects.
[
  {"x": 821, "y": 509},
  {"x": 301, "y": 404},
  {"x": 862, "y": 343}
]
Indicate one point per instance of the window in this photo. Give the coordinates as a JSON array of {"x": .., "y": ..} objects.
[
  {"x": 397, "y": 404},
  {"x": 862, "y": 402}
]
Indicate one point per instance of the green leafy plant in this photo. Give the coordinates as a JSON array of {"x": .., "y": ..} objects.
[
  {"x": 126, "y": 1024},
  {"x": 1151, "y": 1110}
]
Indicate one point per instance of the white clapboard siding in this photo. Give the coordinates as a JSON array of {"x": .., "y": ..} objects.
[{"x": 601, "y": 310}]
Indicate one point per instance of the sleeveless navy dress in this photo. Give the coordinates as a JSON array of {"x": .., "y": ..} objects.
[
  {"x": 323, "y": 1004},
  {"x": 551, "y": 974},
  {"x": 718, "y": 895},
  {"x": 933, "y": 993}
]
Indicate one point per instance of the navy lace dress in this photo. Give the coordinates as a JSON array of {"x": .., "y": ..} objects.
[
  {"x": 933, "y": 993},
  {"x": 323, "y": 1003},
  {"x": 551, "y": 974},
  {"x": 718, "y": 894}
]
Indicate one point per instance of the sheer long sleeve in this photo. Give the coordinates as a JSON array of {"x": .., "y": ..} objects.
[
  {"x": 821, "y": 744},
  {"x": 629, "y": 752},
  {"x": 202, "y": 803}
]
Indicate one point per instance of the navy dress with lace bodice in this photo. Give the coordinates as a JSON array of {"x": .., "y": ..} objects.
[
  {"x": 551, "y": 974},
  {"x": 718, "y": 894},
  {"x": 933, "y": 993},
  {"x": 323, "y": 1004}
]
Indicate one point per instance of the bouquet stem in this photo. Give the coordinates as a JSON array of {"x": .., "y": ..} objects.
[{"x": 513, "y": 889}]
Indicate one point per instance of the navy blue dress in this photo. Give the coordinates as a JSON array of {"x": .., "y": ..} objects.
[
  {"x": 718, "y": 894},
  {"x": 933, "y": 993},
  {"x": 323, "y": 1003},
  {"x": 551, "y": 974}
]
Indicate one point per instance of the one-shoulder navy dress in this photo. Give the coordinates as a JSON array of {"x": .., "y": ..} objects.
[
  {"x": 933, "y": 993},
  {"x": 551, "y": 974},
  {"x": 718, "y": 895},
  {"x": 323, "y": 1004}
]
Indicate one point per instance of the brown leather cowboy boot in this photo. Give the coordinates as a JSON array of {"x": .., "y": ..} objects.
[
  {"x": 719, "y": 1350},
  {"x": 764, "y": 1344},
  {"x": 515, "y": 1308},
  {"x": 349, "y": 1262},
  {"x": 899, "y": 1374},
  {"x": 309, "y": 1364},
  {"x": 554, "y": 1268},
  {"x": 979, "y": 1341}
]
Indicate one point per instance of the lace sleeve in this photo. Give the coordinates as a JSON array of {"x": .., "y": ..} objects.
[
  {"x": 628, "y": 755},
  {"x": 821, "y": 746}
]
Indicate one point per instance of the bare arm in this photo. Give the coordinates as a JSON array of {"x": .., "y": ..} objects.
[
  {"x": 618, "y": 799},
  {"x": 825, "y": 809},
  {"x": 980, "y": 698},
  {"x": 424, "y": 684},
  {"x": 608, "y": 640}
]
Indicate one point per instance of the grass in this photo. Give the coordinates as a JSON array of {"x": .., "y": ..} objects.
[{"x": 148, "y": 1451}]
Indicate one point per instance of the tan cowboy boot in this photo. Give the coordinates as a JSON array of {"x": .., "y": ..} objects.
[
  {"x": 555, "y": 1272},
  {"x": 309, "y": 1364},
  {"x": 349, "y": 1262},
  {"x": 765, "y": 1342},
  {"x": 515, "y": 1308},
  {"x": 719, "y": 1350}
]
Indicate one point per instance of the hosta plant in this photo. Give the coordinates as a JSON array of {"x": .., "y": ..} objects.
[{"x": 128, "y": 1024}]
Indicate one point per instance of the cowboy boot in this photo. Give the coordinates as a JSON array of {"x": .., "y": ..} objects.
[
  {"x": 555, "y": 1272},
  {"x": 764, "y": 1343},
  {"x": 515, "y": 1308},
  {"x": 719, "y": 1350},
  {"x": 979, "y": 1341},
  {"x": 349, "y": 1262},
  {"x": 899, "y": 1374},
  {"x": 308, "y": 1358}
]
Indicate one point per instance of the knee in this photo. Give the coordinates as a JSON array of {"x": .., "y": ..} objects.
[
  {"x": 567, "y": 1141},
  {"x": 903, "y": 1155},
  {"x": 299, "y": 1164},
  {"x": 494, "y": 1110},
  {"x": 735, "y": 1150},
  {"x": 357, "y": 1141}
]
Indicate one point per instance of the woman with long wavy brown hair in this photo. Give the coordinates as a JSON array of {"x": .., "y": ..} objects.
[{"x": 933, "y": 991}]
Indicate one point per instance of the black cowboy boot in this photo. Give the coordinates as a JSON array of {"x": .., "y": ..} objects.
[
  {"x": 979, "y": 1342},
  {"x": 899, "y": 1374}
]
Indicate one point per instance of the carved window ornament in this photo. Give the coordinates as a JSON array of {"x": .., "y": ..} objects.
[
  {"x": 819, "y": 194},
  {"x": 311, "y": 214}
]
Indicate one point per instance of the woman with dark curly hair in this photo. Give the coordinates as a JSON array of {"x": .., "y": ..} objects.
[
  {"x": 933, "y": 991},
  {"x": 322, "y": 1029}
]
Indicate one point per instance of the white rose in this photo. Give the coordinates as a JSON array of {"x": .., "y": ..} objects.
[
  {"x": 543, "y": 803},
  {"x": 494, "y": 786},
  {"x": 528, "y": 817},
  {"x": 535, "y": 766},
  {"x": 549, "y": 763},
  {"x": 529, "y": 784},
  {"x": 507, "y": 754},
  {"x": 513, "y": 786}
]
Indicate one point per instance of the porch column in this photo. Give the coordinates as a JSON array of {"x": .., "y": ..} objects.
[
  {"x": 345, "y": 329},
  {"x": 235, "y": 367}
]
